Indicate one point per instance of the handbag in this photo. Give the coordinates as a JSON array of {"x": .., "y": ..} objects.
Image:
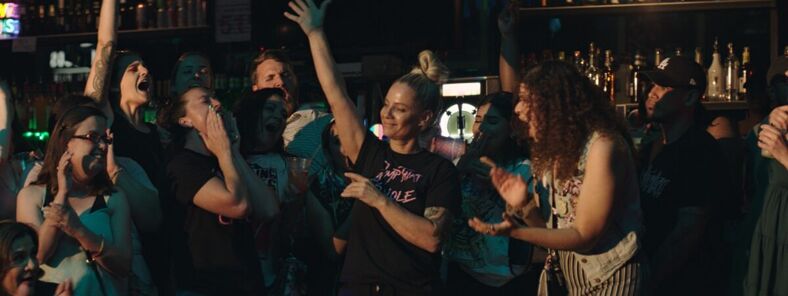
[{"x": 556, "y": 284}]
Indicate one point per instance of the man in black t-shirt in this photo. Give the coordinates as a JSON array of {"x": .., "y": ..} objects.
[{"x": 681, "y": 183}]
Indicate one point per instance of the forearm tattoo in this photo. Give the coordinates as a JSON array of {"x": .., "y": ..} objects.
[
  {"x": 103, "y": 67},
  {"x": 440, "y": 218}
]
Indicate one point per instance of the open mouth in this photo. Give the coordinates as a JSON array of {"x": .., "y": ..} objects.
[{"x": 144, "y": 85}]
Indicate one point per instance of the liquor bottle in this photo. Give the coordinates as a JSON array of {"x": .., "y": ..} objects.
[
  {"x": 150, "y": 13},
  {"x": 579, "y": 62},
  {"x": 140, "y": 16},
  {"x": 609, "y": 77},
  {"x": 637, "y": 86},
  {"x": 592, "y": 72},
  {"x": 715, "y": 87},
  {"x": 161, "y": 14},
  {"x": 731, "y": 75},
  {"x": 52, "y": 19},
  {"x": 183, "y": 14},
  {"x": 60, "y": 16},
  {"x": 657, "y": 57},
  {"x": 562, "y": 56},
  {"x": 124, "y": 21},
  {"x": 192, "y": 12},
  {"x": 745, "y": 73},
  {"x": 202, "y": 19},
  {"x": 699, "y": 57}
]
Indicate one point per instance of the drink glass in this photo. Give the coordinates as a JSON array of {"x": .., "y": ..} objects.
[{"x": 298, "y": 173}]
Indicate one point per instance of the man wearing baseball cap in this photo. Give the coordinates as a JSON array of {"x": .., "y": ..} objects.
[{"x": 681, "y": 172}]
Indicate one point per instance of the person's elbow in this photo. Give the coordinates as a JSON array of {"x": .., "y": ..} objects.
[
  {"x": 434, "y": 242},
  {"x": 237, "y": 208},
  {"x": 585, "y": 238}
]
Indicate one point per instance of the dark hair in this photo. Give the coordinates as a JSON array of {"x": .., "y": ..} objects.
[
  {"x": 9, "y": 232},
  {"x": 247, "y": 115},
  {"x": 178, "y": 63},
  {"x": 57, "y": 145},
  {"x": 170, "y": 112},
  {"x": 568, "y": 109},
  {"x": 64, "y": 104},
  {"x": 123, "y": 58},
  {"x": 503, "y": 102}
]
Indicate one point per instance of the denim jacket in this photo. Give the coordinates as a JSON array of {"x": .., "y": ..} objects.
[{"x": 621, "y": 239}]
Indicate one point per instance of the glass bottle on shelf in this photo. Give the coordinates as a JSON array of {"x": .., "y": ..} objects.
[
  {"x": 150, "y": 14},
  {"x": 657, "y": 57},
  {"x": 637, "y": 86},
  {"x": 699, "y": 57},
  {"x": 745, "y": 73},
  {"x": 609, "y": 77},
  {"x": 731, "y": 75},
  {"x": 592, "y": 72},
  {"x": 714, "y": 90},
  {"x": 161, "y": 14},
  {"x": 579, "y": 62},
  {"x": 140, "y": 15},
  {"x": 52, "y": 19},
  {"x": 562, "y": 56}
]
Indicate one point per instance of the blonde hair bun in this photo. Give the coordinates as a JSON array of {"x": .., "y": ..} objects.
[{"x": 431, "y": 67}]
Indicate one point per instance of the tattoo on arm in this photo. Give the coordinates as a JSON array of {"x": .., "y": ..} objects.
[
  {"x": 102, "y": 69},
  {"x": 441, "y": 220}
]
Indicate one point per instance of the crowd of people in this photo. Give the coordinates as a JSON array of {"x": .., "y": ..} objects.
[{"x": 552, "y": 197}]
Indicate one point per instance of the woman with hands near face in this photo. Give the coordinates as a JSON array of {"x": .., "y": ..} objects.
[
  {"x": 218, "y": 194},
  {"x": 82, "y": 222},
  {"x": 767, "y": 260}
]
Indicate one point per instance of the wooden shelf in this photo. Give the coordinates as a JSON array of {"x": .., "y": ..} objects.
[
  {"x": 122, "y": 35},
  {"x": 634, "y": 8}
]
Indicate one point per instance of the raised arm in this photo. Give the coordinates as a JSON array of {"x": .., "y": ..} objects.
[
  {"x": 6, "y": 118},
  {"x": 508, "y": 60},
  {"x": 349, "y": 129},
  {"x": 96, "y": 86}
]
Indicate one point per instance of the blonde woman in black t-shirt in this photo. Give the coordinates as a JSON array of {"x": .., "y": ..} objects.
[{"x": 406, "y": 194}]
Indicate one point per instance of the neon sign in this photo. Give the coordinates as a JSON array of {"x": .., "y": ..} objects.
[{"x": 9, "y": 19}]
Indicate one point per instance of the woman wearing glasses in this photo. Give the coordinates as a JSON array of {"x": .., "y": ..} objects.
[{"x": 82, "y": 223}]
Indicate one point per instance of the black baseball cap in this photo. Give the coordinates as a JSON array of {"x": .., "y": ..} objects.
[{"x": 678, "y": 71}]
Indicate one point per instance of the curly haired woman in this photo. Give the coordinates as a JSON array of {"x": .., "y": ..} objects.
[{"x": 583, "y": 156}]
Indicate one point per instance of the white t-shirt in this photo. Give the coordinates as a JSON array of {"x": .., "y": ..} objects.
[{"x": 272, "y": 169}]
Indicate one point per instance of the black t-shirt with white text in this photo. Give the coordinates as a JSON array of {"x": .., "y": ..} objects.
[
  {"x": 220, "y": 250},
  {"x": 375, "y": 252}
]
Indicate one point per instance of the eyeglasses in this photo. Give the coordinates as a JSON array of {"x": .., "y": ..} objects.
[{"x": 95, "y": 138}]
